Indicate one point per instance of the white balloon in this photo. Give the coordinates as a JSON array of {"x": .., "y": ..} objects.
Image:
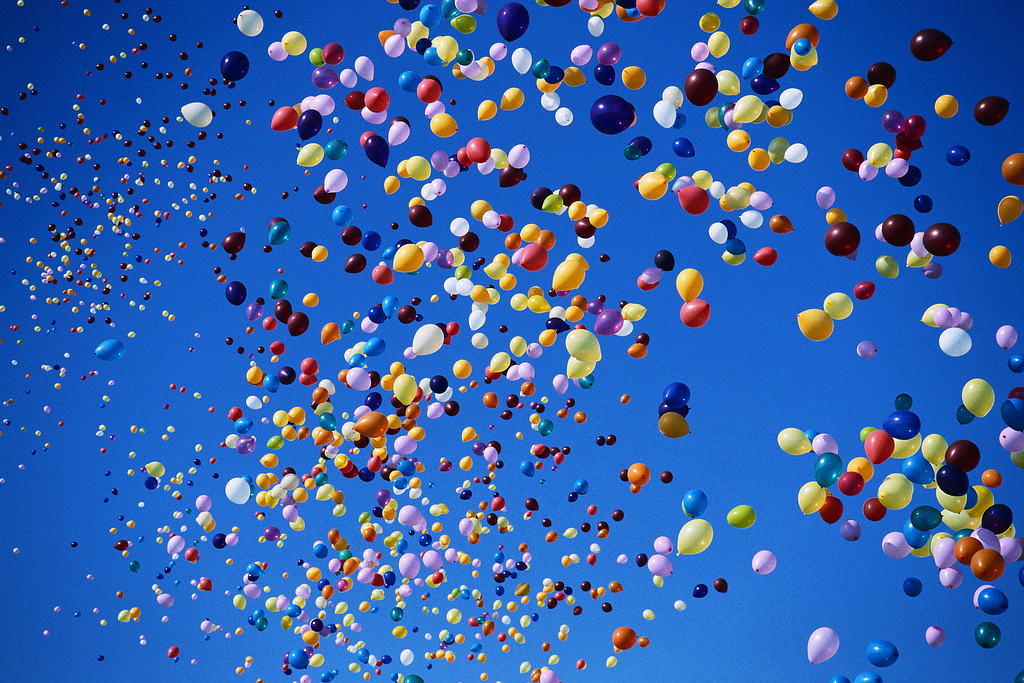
[
  {"x": 954, "y": 342},
  {"x": 791, "y": 98},
  {"x": 459, "y": 226},
  {"x": 406, "y": 657},
  {"x": 596, "y": 26},
  {"x": 550, "y": 101},
  {"x": 348, "y": 78},
  {"x": 364, "y": 67},
  {"x": 522, "y": 60},
  {"x": 563, "y": 116},
  {"x": 394, "y": 46},
  {"x": 498, "y": 51},
  {"x": 822, "y": 645},
  {"x": 796, "y": 153},
  {"x": 477, "y": 319},
  {"x": 198, "y": 114},
  {"x": 428, "y": 339},
  {"x": 752, "y": 219},
  {"x": 237, "y": 490},
  {"x": 718, "y": 233},
  {"x": 250, "y": 23},
  {"x": 664, "y": 113},
  {"x": 674, "y": 95},
  {"x": 717, "y": 189},
  {"x": 479, "y": 340},
  {"x": 335, "y": 180}
]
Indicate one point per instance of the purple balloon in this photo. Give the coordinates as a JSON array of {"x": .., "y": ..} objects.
[
  {"x": 866, "y": 349},
  {"x": 513, "y": 20},
  {"x": 609, "y": 54},
  {"x": 850, "y": 529},
  {"x": 608, "y": 322},
  {"x": 324, "y": 77},
  {"x": 1006, "y": 336},
  {"x": 254, "y": 311},
  {"x": 272, "y": 533},
  {"x": 892, "y": 122}
]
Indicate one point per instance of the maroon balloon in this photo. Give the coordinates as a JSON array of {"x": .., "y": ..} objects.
[
  {"x": 282, "y": 310},
  {"x": 351, "y": 235},
  {"x": 569, "y": 194},
  {"x": 964, "y": 454},
  {"x": 929, "y": 44},
  {"x": 233, "y": 242},
  {"x": 420, "y": 216},
  {"x": 510, "y": 177},
  {"x": 322, "y": 196},
  {"x": 864, "y": 290},
  {"x": 700, "y": 87},
  {"x": 942, "y": 239},
  {"x": 852, "y": 159},
  {"x": 882, "y": 73},
  {"x": 749, "y": 25},
  {"x": 906, "y": 144},
  {"x": 914, "y": 127},
  {"x": 842, "y": 239},
  {"x": 991, "y": 110},
  {"x": 898, "y": 230},
  {"x": 297, "y": 324},
  {"x": 775, "y": 65},
  {"x": 832, "y": 510},
  {"x": 355, "y": 263}
]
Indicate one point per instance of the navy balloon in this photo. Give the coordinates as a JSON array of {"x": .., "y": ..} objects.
[
  {"x": 902, "y": 425},
  {"x": 676, "y": 395},
  {"x": 235, "y": 292},
  {"x": 958, "y": 155},
  {"x": 912, "y": 587},
  {"x": 513, "y": 20},
  {"x": 683, "y": 148},
  {"x": 309, "y": 124},
  {"x": 234, "y": 66},
  {"x": 997, "y": 518},
  {"x": 377, "y": 150},
  {"x": 611, "y": 114},
  {"x": 952, "y": 480},
  {"x": 1012, "y": 412}
]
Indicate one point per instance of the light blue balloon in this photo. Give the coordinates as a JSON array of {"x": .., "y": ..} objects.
[
  {"x": 111, "y": 350},
  {"x": 882, "y": 653},
  {"x": 695, "y": 503}
]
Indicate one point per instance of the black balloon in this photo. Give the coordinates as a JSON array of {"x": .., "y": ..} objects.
[
  {"x": 929, "y": 44},
  {"x": 997, "y": 518},
  {"x": 898, "y": 230},
  {"x": 282, "y": 310},
  {"x": 842, "y": 239},
  {"x": 942, "y": 239},
  {"x": 355, "y": 263},
  {"x": 665, "y": 260},
  {"x": 420, "y": 216},
  {"x": 700, "y": 87},
  {"x": 991, "y": 110}
]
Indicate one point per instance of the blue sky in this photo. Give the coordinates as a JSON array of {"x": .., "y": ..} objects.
[{"x": 751, "y": 372}]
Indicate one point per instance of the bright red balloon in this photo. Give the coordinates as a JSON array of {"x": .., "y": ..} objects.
[
  {"x": 694, "y": 200},
  {"x": 695, "y": 313}
]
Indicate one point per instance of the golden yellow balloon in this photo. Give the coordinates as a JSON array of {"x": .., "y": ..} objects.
[
  {"x": 1009, "y": 209},
  {"x": 443, "y": 125},
  {"x": 815, "y": 324},
  {"x": 652, "y": 185},
  {"x": 876, "y": 95},
  {"x": 946, "y": 106},
  {"x": 689, "y": 284},
  {"x": 1000, "y": 257},
  {"x": 633, "y": 77}
]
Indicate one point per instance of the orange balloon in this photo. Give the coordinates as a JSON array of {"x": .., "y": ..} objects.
[
  {"x": 987, "y": 564},
  {"x": 639, "y": 474},
  {"x": 1013, "y": 169},
  {"x": 966, "y": 548},
  {"x": 373, "y": 425},
  {"x": 330, "y": 333},
  {"x": 491, "y": 400},
  {"x": 643, "y": 641},
  {"x": 991, "y": 479},
  {"x": 624, "y": 638},
  {"x": 802, "y": 31},
  {"x": 780, "y": 224},
  {"x": 856, "y": 88}
]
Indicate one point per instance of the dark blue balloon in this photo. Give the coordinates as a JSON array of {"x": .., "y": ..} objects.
[
  {"x": 513, "y": 20},
  {"x": 902, "y": 425},
  {"x": 911, "y": 177},
  {"x": 730, "y": 228},
  {"x": 377, "y": 150},
  {"x": 683, "y": 148},
  {"x": 676, "y": 395},
  {"x": 1012, "y": 412},
  {"x": 735, "y": 246},
  {"x": 642, "y": 143},
  {"x": 912, "y": 586},
  {"x": 235, "y": 293},
  {"x": 964, "y": 416},
  {"x": 997, "y": 518},
  {"x": 604, "y": 74},
  {"x": 992, "y": 601},
  {"x": 309, "y": 124},
  {"x": 376, "y": 314},
  {"x": 763, "y": 85},
  {"x": 882, "y": 653},
  {"x": 234, "y": 66},
  {"x": 952, "y": 480},
  {"x": 923, "y": 203},
  {"x": 611, "y": 114},
  {"x": 958, "y": 155},
  {"x": 700, "y": 590}
]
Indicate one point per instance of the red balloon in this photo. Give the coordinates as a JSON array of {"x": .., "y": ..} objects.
[
  {"x": 382, "y": 275},
  {"x": 533, "y": 257},
  {"x": 420, "y": 216},
  {"x": 700, "y": 87},
  {"x": 831, "y": 510},
  {"x": 850, "y": 483},
  {"x": 929, "y": 44},
  {"x": 864, "y": 290},
  {"x": 695, "y": 313},
  {"x": 842, "y": 239},
  {"x": 355, "y": 263},
  {"x": 879, "y": 446},
  {"x": 942, "y": 239},
  {"x": 749, "y": 25},
  {"x": 898, "y": 230},
  {"x": 377, "y": 99},
  {"x": 914, "y": 127},
  {"x": 478, "y": 150},
  {"x": 874, "y": 511},
  {"x": 649, "y": 8},
  {"x": 964, "y": 454},
  {"x": 355, "y": 100},
  {"x": 284, "y": 119},
  {"x": 428, "y": 90},
  {"x": 694, "y": 200},
  {"x": 766, "y": 256},
  {"x": 173, "y": 652}
]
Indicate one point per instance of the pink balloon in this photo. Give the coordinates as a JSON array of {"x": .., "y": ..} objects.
[
  {"x": 409, "y": 565},
  {"x": 822, "y": 645},
  {"x": 659, "y": 565},
  {"x": 764, "y": 563},
  {"x": 935, "y": 636}
]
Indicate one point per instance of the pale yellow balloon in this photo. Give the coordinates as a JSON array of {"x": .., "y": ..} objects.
[
  {"x": 405, "y": 388},
  {"x": 747, "y": 109},
  {"x": 915, "y": 261},
  {"x": 733, "y": 259},
  {"x": 933, "y": 448},
  {"x": 887, "y": 267},
  {"x": 718, "y": 43},
  {"x": 838, "y": 305},
  {"x": 824, "y": 9},
  {"x": 946, "y": 106},
  {"x": 958, "y": 521},
  {"x": 568, "y": 276},
  {"x": 879, "y": 154},
  {"x": 576, "y": 369},
  {"x": 906, "y": 448},
  {"x": 978, "y": 397},
  {"x": 689, "y": 284},
  {"x": 443, "y": 125},
  {"x": 1009, "y": 209},
  {"x": 811, "y": 497},
  {"x": 985, "y": 501},
  {"x": 694, "y": 537},
  {"x": 793, "y": 441},
  {"x": 583, "y": 345},
  {"x": 310, "y": 155},
  {"x": 804, "y": 62},
  {"x": 895, "y": 491},
  {"x": 729, "y": 85},
  {"x": 418, "y": 168},
  {"x": 294, "y": 43},
  {"x": 709, "y": 22},
  {"x": 633, "y": 312},
  {"x": 815, "y": 324}
]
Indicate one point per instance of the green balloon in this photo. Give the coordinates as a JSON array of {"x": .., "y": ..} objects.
[{"x": 987, "y": 634}]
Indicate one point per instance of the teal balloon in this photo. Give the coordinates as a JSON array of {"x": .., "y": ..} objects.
[
  {"x": 134, "y": 566},
  {"x": 987, "y": 635},
  {"x": 328, "y": 422},
  {"x": 925, "y": 518},
  {"x": 413, "y": 678},
  {"x": 545, "y": 427},
  {"x": 903, "y": 402},
  {"x": 397, "y": 614},
  {"x": 964, "y": 416},
  {"x": 827, "y": 469},
  {"x": 347, "y": 327},
  {"x": 278, "y": 289},
  {"x": 280, "y": 233},
  {"x": 335, "y": 150},
  {"x": 111, "y": 350}
]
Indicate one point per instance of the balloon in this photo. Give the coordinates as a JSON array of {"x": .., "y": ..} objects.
[
  {"x": 882, "y": 653},
  {"x": 822, "y": 645},
  {"x": 987, "y": 634},
  {"x": 695, "y": 502},
  {"x": 942, "y": 239},
  {"x": 991, "y": 110},
  {"x": 235, "y": 293},
  {"x": 377, "y": 150},
  {"x": 794, "y": 441},
  {"x": 513, "y": 20},
  {"x": 250, "y": 23},
  {"x": 902, "y": 424},
  {"x": 935, "y": 636},
  {"x": 198, "y": 114},
  {"x": 815, "y": 324},
  {"x": 694, "y": 200},
  {"x": 694, "y": 537},
  {"x": 611, "y": 114},
  {"x": 842, "y": 239},
  {"x": 929, "y": 44},
  {"x": 742, "y": 517},
  {"x": 1009, "y": 209},
  {"x": 978, "y": 397},
  {"x": 624, "y": 638},
  {"x": 235, "y": 65},
  {"x": 695, "y": 313},
  {"x": 764, "y": 562},
  {"x": 991, "y": 600},
  {"x": 110, "y": 350},
  {"x": 700, "y": 87}
]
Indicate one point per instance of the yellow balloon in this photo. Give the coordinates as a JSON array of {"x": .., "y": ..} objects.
[
  {"x": 652, "y": 185},
  {"x": 985, "y": 501},
  {"x": 793, "y": 441},
  {"x": 487, "y": 110},
  {"x": 310, "y": 155},
  {"x": 294, "y": 43},
  {"x": 978, "y": 397},
  {"x": 887, "y": 266},
  {"x": 512, "y": 99},
  {"x": 443, "y": 125},
  {"x": 879, "y": 154},
  {"x": 633, "y": 312},
  {"x": 500, "y": 362},
  {"x": 709, "y": 22},
  {"x": 946, "y": 106},
  {"x": 811, "y": 497},
  {"x": 758, "y": 159},
  {"x": 718, "y": 43},
  {"x": 861, "y": 466},
  {"x": 824, "y": 9},
  {"x": 876, "y": 95},
  {"x": 391, "y": 184},
  {"x": 689, "y": 284},
  {"x": 1009, "y": 209},
  {"x": 408, "y": 258},
  {"x": 933, "y": 448},
  {"x": 673, "y": 425},
  {"x": 633, "y": 77},
  {"x": 694, "y": 537},
  {"x": 839, "y": 306},
  {"x": 835, "y": 215},
  {"x": 729, "y": 84},
  {"x": 747, "y": 109},
  {"x": 815, "y": 324},
  {"x": 568, "y": 276},
  {"x": 895, "y": 491},
  {"x": 915, "y": 261},
  {"x": 1000, "y": 257},
  {"x": 583, "y": 345},
  {"x": 405, "y": 388},
  {"x": 576, "y": 368},
  {"x": 418, "y": 167},
  {"x": 738, "y": 140},
  {"x": 906, "y": 448},
  {"x": 959, "y": 521}
]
